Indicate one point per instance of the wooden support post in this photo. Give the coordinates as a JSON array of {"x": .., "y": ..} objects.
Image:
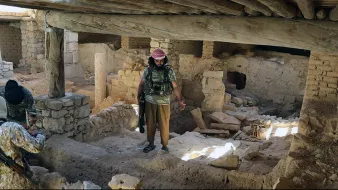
[
  {"x": 100, "y": 77},
  {"x": 55, "y": 64}
]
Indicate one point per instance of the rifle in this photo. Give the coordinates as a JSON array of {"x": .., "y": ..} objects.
[
  {"x": 10, "y": 163},
  {"x": 142, "y": 106}
]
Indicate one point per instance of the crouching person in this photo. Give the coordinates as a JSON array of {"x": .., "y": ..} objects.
[{"x": 14, "y": 172}]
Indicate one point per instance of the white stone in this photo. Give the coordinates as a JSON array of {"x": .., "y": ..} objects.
[
  {"x": 73, "y": 36},
  {"x": 90, "y": 185},
  {"x": 239, "y": 115},
  {"x": 124, "y": 181},
  {"x": 230, "y": 162}
]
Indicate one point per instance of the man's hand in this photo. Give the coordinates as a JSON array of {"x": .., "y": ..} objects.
[{"x": 182, "y": 105}]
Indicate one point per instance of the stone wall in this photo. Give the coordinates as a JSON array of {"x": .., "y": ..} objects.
[
  {"x": 191, "y": 71},
  {"x": 117, "y": 59},
  {"x": 10, "y": 43},
  {"x": 312, "y": 160},
  {"x": 208, "y": 49},
  {"x": 111, "y": 120},
  {"x": 134, "y": 42},
  {"x": 32, "y": 46},
  {"x": 277, "y": 77},
  {"x": 213, "y": 90},
  {"x": 73, "y": 70},
  {"x": 67, "y": 115}
]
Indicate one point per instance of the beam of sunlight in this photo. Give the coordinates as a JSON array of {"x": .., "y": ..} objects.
[
  {"x": 215, "y": 151},
  {"x": 136, "y": 109},
  {"x": 281, "y": 132},
  {"x": 195, "y": 154},
  {"x": 268, "y": 133},
  {"x": 221, "y": 150},
  {"x": 294, "y": 130}
]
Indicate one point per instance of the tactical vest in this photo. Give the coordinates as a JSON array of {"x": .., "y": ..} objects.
[{"x": 159, "y": 88}]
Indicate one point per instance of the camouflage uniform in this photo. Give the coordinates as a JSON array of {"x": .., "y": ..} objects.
[
  {"x": 18, "y": 112},
  {"x": 13, "y": 137}
]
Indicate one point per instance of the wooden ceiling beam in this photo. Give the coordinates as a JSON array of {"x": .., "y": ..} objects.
[
  {"x": 280, "y": 7},
  {"x": 307, "y": 8},
  {"x": 255, "y": 5},
  {"x": 320, "y": 36},
  {"x": 187, "y": 3}
]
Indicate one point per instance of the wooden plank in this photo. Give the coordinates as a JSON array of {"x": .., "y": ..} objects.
[
  {"x": 213, "y": 131},
  {"x": 255, "y": 5},
  {"x": 280, "y": 7},
  {"x": 55, "y": 64},
  {"x": 307, "y": 8},
  {"x": 320, "y": 36}
]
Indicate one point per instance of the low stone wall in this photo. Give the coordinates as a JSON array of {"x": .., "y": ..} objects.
[
  {"x": 6, "y": 70},
  {"x": 111, "y": 120},
  {"x": 67, "y": 115}
]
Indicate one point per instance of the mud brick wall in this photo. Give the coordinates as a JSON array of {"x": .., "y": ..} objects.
[
  {"x": 134, "y": 42},
  {"x": 10, "y": 43},
  {"x": 312, "y": 160},
  {"x": 32, "y": 45}
]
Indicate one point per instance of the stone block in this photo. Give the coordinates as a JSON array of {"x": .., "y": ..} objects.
[
  {"x": 45, "y": 113},
  {"x": 90, "y": 185},
  {"x": 213, "y": 74},
  {"x": 67, "y": 102},
  {"x": 85, "y": 100},
  {"x": 154, "y": 44},
  {"x": 237, "y": 101},
  {"x": 213, "y": 102},
  {"x": 68, "y": 127},
  {"x": 221, "y": 117},
  {"x": 77, "y": 100},
  {"x": 69, "y": 120},
  {"x": 83, "y": 111},
  {"x": 59, "y": 114},
  {"x": 83, "y": 121},
  {"x": 8, "y": 74},
  {"x": 230, "y": 162},
  {"x": 54, "y": 125},
  {"x": 227, "y": 98},
  {"x": 54, "y": 104},
  {"x": 251, "y": 152},
  {"x": 125, "y": 181},
  {"x": 73, "y": 36}
]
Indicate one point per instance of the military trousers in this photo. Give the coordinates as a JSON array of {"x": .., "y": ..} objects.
[{"x": 157, "y": 114}]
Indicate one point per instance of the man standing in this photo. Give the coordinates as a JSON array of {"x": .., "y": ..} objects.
[
  {"x": 13, "y": 138},
  {"x": 19, "y": 100},
  {"x": 157, "y": 83}
]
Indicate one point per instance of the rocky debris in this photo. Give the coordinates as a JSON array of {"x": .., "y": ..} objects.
[
  {"x": 52, "y": 181},
  {"x": 239, "y": 115},
  {"x": 251, "y": 152},
  {"x": 265, "y": 145},
  {"x": 283, "y": 183},
  {"x": 225, "y": 126},
  {"x": 333, "y": 177},
  {"x": 224, "y": 118},
  {"x": 230, "y": 107},
  {"x": 197, "y": 114},
  {"x": 229, "y": 162},
  {"x": 125, "y": 181},
  {"x": 227, "y": 98},
  {"x": 38, "y": 172},
  {"x": 90, "y": 185},
  {"x": 237, "y": 101}
]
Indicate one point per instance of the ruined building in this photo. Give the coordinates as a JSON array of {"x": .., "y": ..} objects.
[{"x": 259, "y": 78}]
